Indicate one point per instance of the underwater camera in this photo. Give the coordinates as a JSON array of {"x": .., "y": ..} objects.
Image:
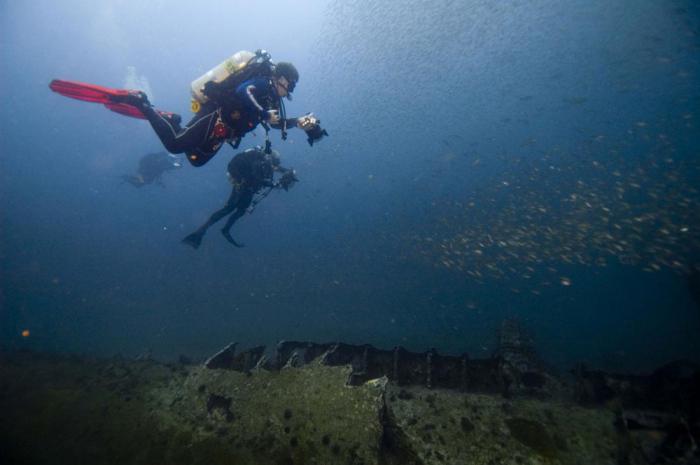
[{"x": 315, "y": 134}]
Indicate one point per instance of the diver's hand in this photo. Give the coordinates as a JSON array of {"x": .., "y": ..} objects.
[
  {"x": 307, "y": 122},
  {"x": 273, "y": 117},
  {"x": 288, "y": 179}
]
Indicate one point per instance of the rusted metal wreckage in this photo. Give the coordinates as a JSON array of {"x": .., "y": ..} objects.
[
  {"x": 514, "y": 367},
  {"x": 663, "y": 405}
]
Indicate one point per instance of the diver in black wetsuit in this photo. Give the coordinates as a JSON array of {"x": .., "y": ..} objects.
[
  {"x": 151, "y": 169},
  {"x": 234, "y": 107},
  {"x": 249, "y": 172}
]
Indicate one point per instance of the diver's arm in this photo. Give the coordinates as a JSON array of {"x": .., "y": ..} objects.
[
  {"x": 250, "y": 99},
  {"x": 302, "y": 122},
  {"x": 223, "y": 93},
  {"x": 313, "y": 130},
  {"x": 288, "y": 178},
  {"x": 245, "y": 94},
  {"x": 289, "y": 123}
]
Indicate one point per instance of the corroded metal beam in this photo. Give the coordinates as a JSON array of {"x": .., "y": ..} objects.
[{"x": 513, "y": 369}]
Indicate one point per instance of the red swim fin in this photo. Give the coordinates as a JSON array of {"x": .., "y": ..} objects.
[
  {"x": 126, "y": 110},
  {"x": 85, "y": 92},
  {"x": 97, "y": 94}
]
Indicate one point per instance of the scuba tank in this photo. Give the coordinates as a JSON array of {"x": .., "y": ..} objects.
[{"x": 219, "y": 73}]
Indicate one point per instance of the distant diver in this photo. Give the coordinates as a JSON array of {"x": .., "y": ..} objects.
[
  {"x": 229, "y": 101},
  {"x": 250, "y": 172},
  {"x": 151, "y": 169}
]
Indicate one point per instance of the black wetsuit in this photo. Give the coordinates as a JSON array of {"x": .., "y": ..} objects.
[
  {"x": 226, "y": 117},
  {"x": 249, "y": 172}
]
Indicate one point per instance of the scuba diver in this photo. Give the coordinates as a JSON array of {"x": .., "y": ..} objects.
[
  {"x": 229, "y": 101},
  {"x": 249, "y": 172},
  {"x": 151, "y": 169}
]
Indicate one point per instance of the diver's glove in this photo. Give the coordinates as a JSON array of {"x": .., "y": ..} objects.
[
  {"x": 312, "y": 126},
  {"x": 288, "y": 179},
  {"x": 272, "y": 117}
]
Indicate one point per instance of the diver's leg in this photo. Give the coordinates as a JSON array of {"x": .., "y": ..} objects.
[
  {"x": 195, "y": 239},
  {"x": 167, "y": 125},
  {"x": 226, "y": 231},
  {"x": 241, "y": 208},
  {"x": 175, "y": 139}
]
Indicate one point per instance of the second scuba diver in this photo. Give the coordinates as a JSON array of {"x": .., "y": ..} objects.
[
  {"x": 249, "y": 172},
  {"x": 151, "y": 168}
]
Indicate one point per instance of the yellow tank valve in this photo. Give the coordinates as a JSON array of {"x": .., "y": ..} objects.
[{"x": 195, "y": 106}]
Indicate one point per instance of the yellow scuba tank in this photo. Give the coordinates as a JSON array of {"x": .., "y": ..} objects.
[{"x": 231, "y": 65}]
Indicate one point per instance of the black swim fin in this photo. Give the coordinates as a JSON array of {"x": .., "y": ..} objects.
[
  {"x": 229, "y": 238},
  {"x": 194, "y": 240}
]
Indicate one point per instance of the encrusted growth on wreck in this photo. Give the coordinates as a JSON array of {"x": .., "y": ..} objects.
[
  {"x": 514, "y": 369},
  {"x": 344, "y": 404}
]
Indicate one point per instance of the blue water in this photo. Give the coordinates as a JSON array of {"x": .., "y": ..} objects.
[{"x": 429, "y": 106}]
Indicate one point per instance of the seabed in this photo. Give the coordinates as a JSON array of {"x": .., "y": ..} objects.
[{"x": 73, "y": 410}]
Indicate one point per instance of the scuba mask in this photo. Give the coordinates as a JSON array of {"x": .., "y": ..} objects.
[{"x": 289, "y": 86}]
